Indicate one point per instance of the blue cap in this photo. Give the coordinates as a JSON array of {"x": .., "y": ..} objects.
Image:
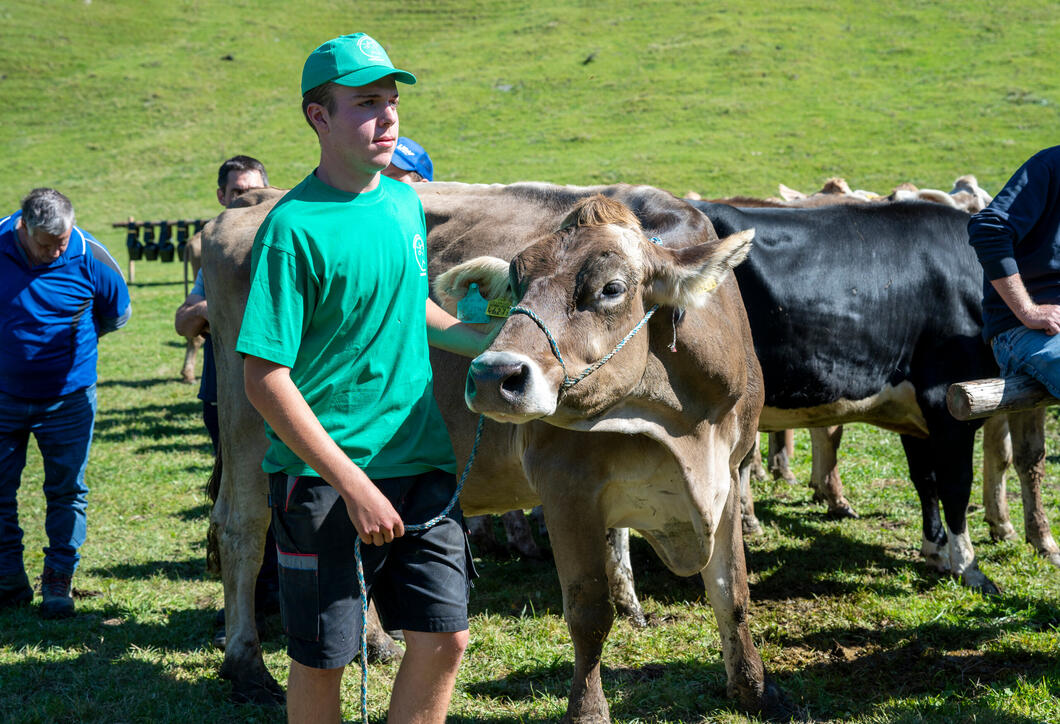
[
  {"x": 350, "y": 60},
  {"x": 410, "y": 156}
]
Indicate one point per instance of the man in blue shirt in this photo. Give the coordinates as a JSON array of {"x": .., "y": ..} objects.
[
  {"x": 59, "y": 292},
  {"x": 1017, "y": 239}
]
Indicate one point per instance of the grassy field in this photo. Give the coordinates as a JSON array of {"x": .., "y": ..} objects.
[{"x": 129, "y": 107}]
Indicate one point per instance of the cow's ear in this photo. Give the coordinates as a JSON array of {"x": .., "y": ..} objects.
[
  {"x": 489, "y": 272},
  {"x": 686, "y": 277}
]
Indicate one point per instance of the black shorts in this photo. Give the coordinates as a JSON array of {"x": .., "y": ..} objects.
[{"x": 419, "y": 582}]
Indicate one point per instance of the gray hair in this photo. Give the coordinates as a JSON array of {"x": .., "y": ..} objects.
[{"x": 49, "y": 210}]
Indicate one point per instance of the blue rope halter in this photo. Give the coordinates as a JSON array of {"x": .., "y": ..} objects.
[
  {"x": 569, "y": 381},
  {"x": 408, "y": 528}
]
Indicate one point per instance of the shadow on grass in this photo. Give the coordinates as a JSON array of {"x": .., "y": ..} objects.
[
  {"x": 803, "y": 572},
  {"x": 121, "y": 670},
  {"x": 688, "y": 690},
  {"x": 198, "y": 513},
  {"x": 537, "y": 592},
  {"x": 139, "y": 384},
  {"x": 152, "y": 422},
  {"x": 189, "y": 569}
]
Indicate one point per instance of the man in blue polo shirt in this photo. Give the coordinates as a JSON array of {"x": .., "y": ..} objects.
[
  {"x": 59, "y": 292},
  {"x": 1017, "y": 239}
]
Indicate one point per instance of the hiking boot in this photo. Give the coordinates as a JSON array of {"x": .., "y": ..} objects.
[
  {"x": 15, "y": 590},
  {"x": 56, "y": 590}
]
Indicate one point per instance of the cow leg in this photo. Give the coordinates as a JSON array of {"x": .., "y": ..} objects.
[
  {"x": 187, "y": 370},
  {"x": 950, "y": 456},
  {"x": 519, "y": 536},
  {"x": 748, "y": 519},
  {"x": 922, "y": 473},
  {"x": 758, "y": 470},
  {"x": 781, "y": 450},
  {"x": 480, "y": 532},
  {"x": 578, "y": 544},
  {"x": 824, "y": 476},
  {"x": 1028, "y": 455},
  {"x": 620, "y": 577},
  {"x": 381, "y": 648},
  {"x": 725, "y": 579},
  {"x": 997, "y": 456},
  {"x": 238, "y": 523},
  {"x": 538, "y": 517}
]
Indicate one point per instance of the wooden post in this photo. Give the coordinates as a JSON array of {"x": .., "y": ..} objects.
[
  {"x": 984, "y": 398},
  {"x": 132, "y": 264}
]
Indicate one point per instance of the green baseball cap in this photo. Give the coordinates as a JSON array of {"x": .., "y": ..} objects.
[{"x": 350, "y": 60}]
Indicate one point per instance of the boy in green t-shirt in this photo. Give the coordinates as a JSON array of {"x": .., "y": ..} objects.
[{"x": 335, "y": 341}]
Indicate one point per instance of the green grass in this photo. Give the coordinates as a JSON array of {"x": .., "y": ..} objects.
[{"x": 129, "y": 107}]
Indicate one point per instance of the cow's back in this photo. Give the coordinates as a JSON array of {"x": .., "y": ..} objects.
[{"x": 847, "y": 301}]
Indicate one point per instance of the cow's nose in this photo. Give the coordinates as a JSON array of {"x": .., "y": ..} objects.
[{"x": 508, "y": 379}]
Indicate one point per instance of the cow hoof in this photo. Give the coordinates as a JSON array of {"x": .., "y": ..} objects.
[
  {"x": 262, "y": 693},
  {"x": 774, "y": 704},
  {"x": 786, "y": 475},
  {"x": 593, "y": 718},
  {"x": 1002, "y": 531},
  {"x": 842, "y": 512},
  {"x": 632, "y": 613},
  {"x": 979, "y": 583},
  {"x": 751, "y": 526},
  {"x": 384, "y": 650},
  {"x": 767, "y": 700}
]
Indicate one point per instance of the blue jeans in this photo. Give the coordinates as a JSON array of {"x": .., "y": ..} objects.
[
  {"x": 1031, "y": 352},
  {"x": 63, "y": 429}
]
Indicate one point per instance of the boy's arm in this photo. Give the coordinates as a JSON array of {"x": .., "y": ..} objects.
[
  {"x": 272, "y": 392},
  {"x": 445, "y": 331}
]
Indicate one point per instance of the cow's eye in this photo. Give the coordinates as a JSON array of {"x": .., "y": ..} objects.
[{"x": 614, "y": 288}]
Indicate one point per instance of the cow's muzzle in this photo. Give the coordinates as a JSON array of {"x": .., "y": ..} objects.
[{"x": 508, "y": 387}]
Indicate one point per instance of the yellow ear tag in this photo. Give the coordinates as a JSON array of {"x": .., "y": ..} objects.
[
  {"x": 705, "y": 287},
  {"x": 498, "y": 307}
]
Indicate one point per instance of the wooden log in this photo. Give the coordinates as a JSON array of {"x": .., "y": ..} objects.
[{"x": 983, "y": 398}]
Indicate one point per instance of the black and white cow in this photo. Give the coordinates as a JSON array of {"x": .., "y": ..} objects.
[{"x": 867, "y": 313}]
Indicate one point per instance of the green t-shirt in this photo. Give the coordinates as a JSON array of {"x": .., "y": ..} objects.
[{"x": 338, "y": 294}]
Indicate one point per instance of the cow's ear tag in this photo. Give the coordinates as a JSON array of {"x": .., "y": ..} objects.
[
  {"x": 706, "y": 286},
  {"x": 499, "y": 307},
  {"x": 472, "y": 308}
]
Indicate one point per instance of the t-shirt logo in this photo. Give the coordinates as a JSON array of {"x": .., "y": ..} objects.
[
  {"x": 421, "y": 253},
  {"x": 371, "y": 49}
]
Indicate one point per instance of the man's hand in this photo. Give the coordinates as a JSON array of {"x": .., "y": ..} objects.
[
  {"x": 1031, "y": 315},
  {"x": 1045, "y": 317},
  {"x": 372, "y": 515}
]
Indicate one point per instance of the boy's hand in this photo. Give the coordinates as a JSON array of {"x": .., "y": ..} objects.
[{"x": 373, "y": 516}]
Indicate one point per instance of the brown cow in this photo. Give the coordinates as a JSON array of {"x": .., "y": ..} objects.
[{"x": 652, "y": 440}]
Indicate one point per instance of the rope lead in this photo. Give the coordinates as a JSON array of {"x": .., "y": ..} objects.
[{"x": 408, "y": 528}]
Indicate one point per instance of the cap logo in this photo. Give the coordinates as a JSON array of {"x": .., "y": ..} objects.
[
  {"x": 371, "y": 49},
  {"x": 404, "y": 149}
]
